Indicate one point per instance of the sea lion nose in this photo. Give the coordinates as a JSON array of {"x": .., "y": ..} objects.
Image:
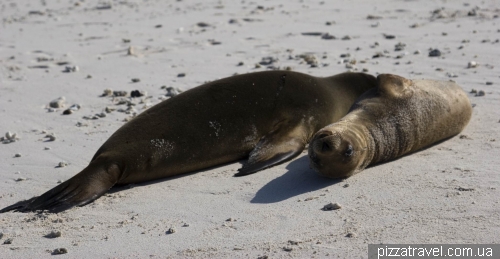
[{"x": 323, "y": 143}]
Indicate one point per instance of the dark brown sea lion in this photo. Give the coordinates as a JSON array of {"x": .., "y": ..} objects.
[
  {"x": 268, "y": 117},
  {"x": 397, "y": 117}
]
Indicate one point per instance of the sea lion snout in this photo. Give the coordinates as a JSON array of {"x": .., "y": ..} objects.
[{"x": 327, "y": 146}]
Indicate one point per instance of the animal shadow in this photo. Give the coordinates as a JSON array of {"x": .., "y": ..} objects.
[{"x": 298, "y": 180}]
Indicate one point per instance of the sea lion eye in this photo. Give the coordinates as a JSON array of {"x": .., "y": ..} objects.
[{"x": 349, "y": 151}]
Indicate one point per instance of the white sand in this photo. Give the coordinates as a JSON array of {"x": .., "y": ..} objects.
[{"x": 415, "y": 199}]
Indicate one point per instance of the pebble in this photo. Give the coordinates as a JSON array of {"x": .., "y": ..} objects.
[
  {"x": 62, "y": 164},
  {"x": 58, "y": 103},
  {"x": 120, "y": 93},
  {"x": 135, "y": 80},
  {"x": 171, "y": 230},
  {"x": 107, "y": 92},
  {"x": 347, "y": 37},
  {"x": 69, "y": 69},
  {"x": 137, "y": 93},
  {"x": 350, "y": 235},
  {"x": 172, "y": 91},
  {"x": 481, "y": 93},
  {"x": 185, "y": 225},
  {"x": 417, "y": 52},
  {"x": 181, "y": 75},
  {"x": 9, "y": 137},
  {"x": 472, "y": 64},
  {"x": 20, "y": 179},
  {"x": 328, "y": 36},
  {"x": 131, "y": 51},
  {"x": 8, "y": 241},
  {"x": 287, "y": 249},
  {"x": 435, "y": 53},
  {"x": 331, "y": 206},
  {"x": 54, "y": 234},
  {"x": 60, "y": 251},
  {"x": 400, "y": 46},
  {"x": 489, "y": 83},
  {"x": 1, "y": 235},
  {"x": 51, "y": 137},
  {"x": 17, "y": 155},
  {"x": 389, "y": 36},
  {"x": 46, "y": 148},
  {"x": 71, "y": 109}
]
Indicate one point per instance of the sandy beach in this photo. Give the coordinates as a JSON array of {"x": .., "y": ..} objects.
[{"x": 448, "y": 193}]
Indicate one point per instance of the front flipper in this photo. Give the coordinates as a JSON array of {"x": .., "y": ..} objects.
[
  {"x": 79, "y": 190},
  {"x": 271, "y": 151}
]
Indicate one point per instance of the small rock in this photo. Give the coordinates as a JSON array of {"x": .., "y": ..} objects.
[
  {"x": 54, "y": 234},
  {"x": 120, "y": 93},
  {"x": 389, "y": 36},
  {"x": 472, "y": 64},
  {"x": 181, "y": 75},
  {"x": 400, "y": 46},
  {"x": 346, "y": 185},
  {"x": 373, "y": 17},
  {"x": 435, "y": 53},
  {"x": 62, "y": 164},
  {"x": 158, "y": 26},
  {"x": 465, "y": 189},
  {"x": 20, "y": 179},
  {"x": 171, "y": 230},
  {"x": 481, "y": 93},
  {"x": 489, "y": 83},
  {"x": 8, "y": 241},
  {"x": 417, "y": 52},
  {"x": 135, "y": 80},
  {"x": 473, "y": 91},
  {"x": 350, "y": 235},
  {"x": 60, "y": 251},
  {"x": 1, "y": 235},
  {"x": 172, "y": 91},
  {"x": 332, "y": 206},
  {"x": 69, "y": 69},
  {"x": 330, "y": 23},
  {"x": 58, "y": 103},
  {"x": 185, "y": 225},
  {"x": 71, "y": 109},
  {"x": 203, "y": 24},
  {"x": 230, "y": 219},
  {"x": 240, "y": 64},
  {"x": 131, "y": 51},
  {"x": 287, "y": 249},
  {"x": 107, "y": 92},
  {"x": 347, "y": 37},
  {"x": 17, "y": 155},
  {"x": 328, "y": 36},
  {"x": 51, "y": 136},
  {"x": 137, "y": 93}
]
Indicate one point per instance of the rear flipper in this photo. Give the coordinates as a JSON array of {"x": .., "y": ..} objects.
[
  {"x": 272, "y": 150},
  {"x": 81, "y": 189}
]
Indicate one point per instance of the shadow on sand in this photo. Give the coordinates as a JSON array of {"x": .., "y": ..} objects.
[{"x": 298, "y": 180}]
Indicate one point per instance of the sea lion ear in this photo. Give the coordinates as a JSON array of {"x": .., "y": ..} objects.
[{"x": 393, "y": 86}]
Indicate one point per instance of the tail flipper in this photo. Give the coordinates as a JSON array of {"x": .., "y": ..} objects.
[{"x": 81, "y": 189}]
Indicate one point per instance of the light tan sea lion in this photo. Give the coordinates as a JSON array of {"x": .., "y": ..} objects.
[
  {"x": 268, "y": 117},
  {"x": 397, "y": 117}
]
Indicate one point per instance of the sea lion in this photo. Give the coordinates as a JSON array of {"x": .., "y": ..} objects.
[
  {"x": 268, "y": 117},
  {"x": 398, "y": 117}
]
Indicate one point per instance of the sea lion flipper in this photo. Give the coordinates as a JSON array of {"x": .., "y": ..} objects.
[
  {"x": 393, "y": 86},
  {"x": 79, "y": 190},
  {"x": 271, "y": 153}
]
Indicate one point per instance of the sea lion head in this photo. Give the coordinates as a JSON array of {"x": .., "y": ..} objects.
[{"x": 337, "y": 151}]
